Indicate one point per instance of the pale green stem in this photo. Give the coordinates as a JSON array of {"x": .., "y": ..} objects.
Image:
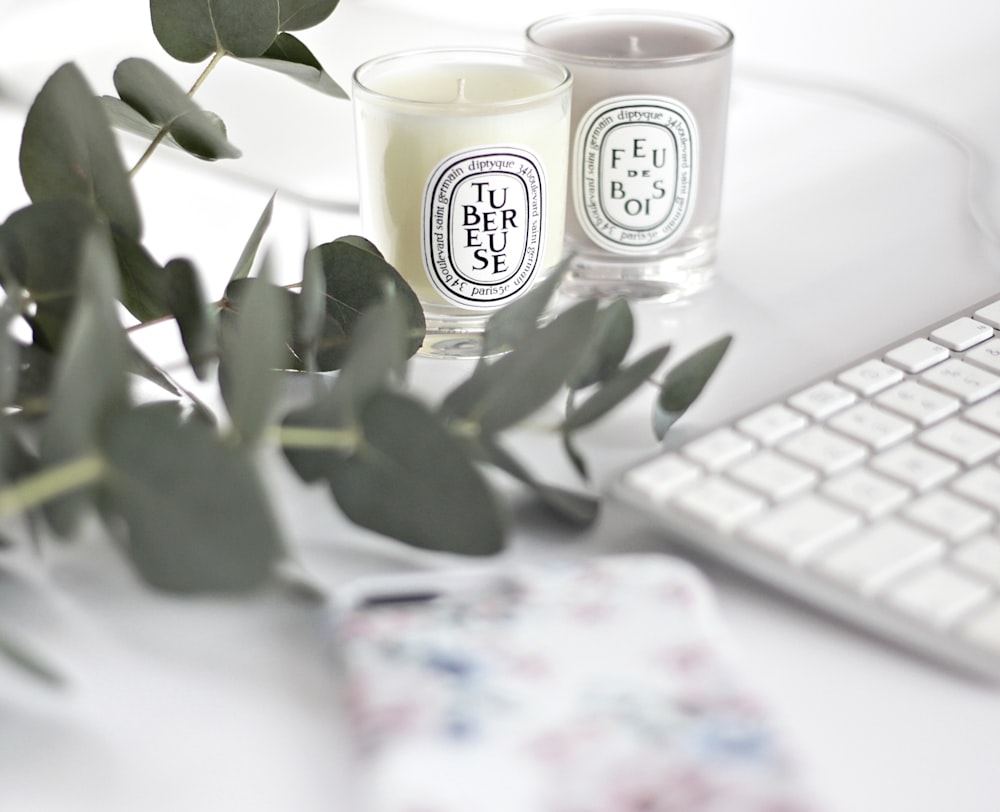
[
  {"x": 164, "y": 131},
  {"x": 45, "y": 485},
  {"x": 305, "y": 437}
]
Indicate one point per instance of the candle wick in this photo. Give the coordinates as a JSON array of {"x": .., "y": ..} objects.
[
  {"x": 461, "y": 91},
  {"x": 633, "y": 46}
]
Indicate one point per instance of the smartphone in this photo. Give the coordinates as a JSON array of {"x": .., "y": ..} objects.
[{"x": 603, "y": 685}]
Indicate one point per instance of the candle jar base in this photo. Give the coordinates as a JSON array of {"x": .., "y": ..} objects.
[
  {"x": 452, "y": 336},
  {"x": 663, "y": 277}
]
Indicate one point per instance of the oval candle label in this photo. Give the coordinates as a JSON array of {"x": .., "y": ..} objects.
[
  {"x": 635, "y": 161},
  {"x": 484, "y": 225}
]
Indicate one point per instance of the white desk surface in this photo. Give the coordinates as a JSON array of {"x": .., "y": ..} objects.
[{"x": 843, "y": 226}]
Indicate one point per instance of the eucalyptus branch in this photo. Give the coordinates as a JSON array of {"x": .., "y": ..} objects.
[
  {"x": 39, "y": 488},
  {"x": 164, "y": 131},
  {"x": 306, "y": 438},
  {"x": 216, "y": 59}
]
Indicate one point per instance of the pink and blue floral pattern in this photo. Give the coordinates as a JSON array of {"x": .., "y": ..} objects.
[{"x": 603, "y": 686}]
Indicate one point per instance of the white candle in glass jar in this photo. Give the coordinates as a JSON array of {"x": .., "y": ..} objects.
[{"x": 462, "y": 169}]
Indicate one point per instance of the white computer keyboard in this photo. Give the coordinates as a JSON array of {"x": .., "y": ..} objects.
[{"x": 873, "y": 493}]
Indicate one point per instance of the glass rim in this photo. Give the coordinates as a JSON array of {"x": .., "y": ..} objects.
[
  {"x": 725, "y": 44},
  {"x": 561, "y": 75}
]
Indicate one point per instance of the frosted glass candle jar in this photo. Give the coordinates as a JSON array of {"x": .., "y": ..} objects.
[
  {"x": 650, "y": 103},
  {"x": 462, "y": 168}
]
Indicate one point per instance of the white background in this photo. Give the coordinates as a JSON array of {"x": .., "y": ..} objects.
[{"x": 846, "y": 222}]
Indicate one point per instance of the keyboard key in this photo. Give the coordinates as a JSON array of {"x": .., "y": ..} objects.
[
  {"x": 822, "y": 399},
  {"x": 719, "y": 504},
  {"x": 917, "y": 355},
  {"x": 719, "y": 448},
  {"x": 663, "y": 476},
  {"x": 982, "y": 557},
  {"x": 867, "y": 492},
  {"x": 983, "y": 628},
  {"x": 937, "y": 594},
  {"x": 916, "y": 467},
  {"x": 985, "y": 355},
  {"x": 964, "y": 381},
  {"x": 773, "y": 475},
  {"x": 823, "y": 449},
  {"x": 874, "y": 427},
  {"x": 981, "y": 484},
  {"x": 990, "y": 314},
  {"x": 948, "y": 516},
  {"x": 918, "y": 402},
  {"x": 798, "y": 528},
  {"x": 962, "y": 333},
  {"x": 986, "y": 414},
  {"x": 961, "y": 441},
  {"x": 870, "y": 377},
  {"x": 877, "y": 554},
  {"x": 772, "y": 424}
]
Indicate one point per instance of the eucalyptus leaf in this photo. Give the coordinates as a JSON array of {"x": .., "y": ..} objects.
[
  {"x": 685, "y": 382},
  {"x": 607, "y": 346},
  {"x": 189, "y": 307},
  {"x": 376, "y": 357},
  {"x": 289, "y": 56},
  {"x": 578, "y": 508},
  {"x": 253, "y": 344},
  {"x": 42, "y": 245},
  {"x": 329, "y": 424},
  {"x": 90, "y": 385},
  {"x": 126, "y": 118},
  {"x": 142, "y": 283},
  {"x": 357, "y": 277},
  {"x": 361, "y": 243},
  {"x": 614, "y": 390},
  {"x": 191, "y": 30},
  {"x": 245, "y": 263},
  {"x": 410, "y": 479},
  {"x": 297, "y": 15},
  {"x": 68, "y": 150},
  {"x": 10, "y": 350},
  {"x": 161, "y": 101},
  {"x": 197, "y": 514},
  {"x": 29, "y": 661},
  {"x": 311, "y": 311},
  {"x": 520, "y": 318},
  {"x": 501, "y": 394}
]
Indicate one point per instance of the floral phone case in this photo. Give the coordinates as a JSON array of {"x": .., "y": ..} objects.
[{"x": 602, "y": 686}]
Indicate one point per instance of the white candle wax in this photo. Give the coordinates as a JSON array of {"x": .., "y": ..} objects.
[{"x": 462, "y": 161}]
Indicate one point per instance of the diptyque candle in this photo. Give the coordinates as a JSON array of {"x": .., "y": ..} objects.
[
  {"x": 650, "y": 104},
  {"x": 463, "y": 177}
]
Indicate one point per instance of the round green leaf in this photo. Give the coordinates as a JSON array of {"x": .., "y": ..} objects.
[
  {"x": 141, "y": 278},
  {"x": 410, "y": 479},
  {"x": 291, "y": 57},
  {"x": 90, "y": 384},
  {"x": 161, "y": 101},
  {"x": 68, "y": 150},
  {"x": 357, "y": 277},
  {"x": 191, "y": 30},
  {"x": 42, "y": 245},
  {"x": 297, "y": 15},
  {"x": 196, "y": 513},
  {"x": 253, "y": 344},
  {"x": 188, "y": 305}
]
